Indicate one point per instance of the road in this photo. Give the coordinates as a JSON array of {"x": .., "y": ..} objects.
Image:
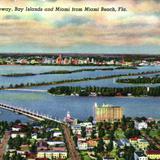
[
  {"x": 73, "y": 153},
  {"x": 151, "y": 141},
  {"x": 4, "y": 143}
]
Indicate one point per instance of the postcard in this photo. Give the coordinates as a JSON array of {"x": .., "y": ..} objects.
[{"x": 79, "y": 79}]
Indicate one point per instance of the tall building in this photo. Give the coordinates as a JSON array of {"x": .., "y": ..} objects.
[
  {"x": 107, "y": 113},
  {"x": 59, "y": 59}
]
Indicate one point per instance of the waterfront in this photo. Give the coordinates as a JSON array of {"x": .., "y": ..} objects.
[
  {"x": 80, "y": 107},
  {"x": 6, "y": 81}
]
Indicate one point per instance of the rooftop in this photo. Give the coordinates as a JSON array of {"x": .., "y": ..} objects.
[
  {"x": 106, "y": 105},
  {"x": 140, "y": 154},
  {"x": 153, "y": 152}
]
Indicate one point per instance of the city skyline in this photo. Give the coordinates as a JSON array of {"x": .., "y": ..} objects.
[{"x": 134, "y": 31}]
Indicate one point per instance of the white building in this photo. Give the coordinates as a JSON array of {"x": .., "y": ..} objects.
[
  {"x": 57, "y": 134},
  {"x": 140, "y": 125},
  {"x": 53, "y": 143},
  {"x": 15, "y": 134},
  {"x": 76, "y": 129},
  {"x": 139, "y": 155},
  {"x": 82, "y": 144}
]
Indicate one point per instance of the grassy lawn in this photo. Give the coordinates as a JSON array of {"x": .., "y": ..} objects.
[
  {"x": 119, "y": 134},
  {"x": 113, "y": 153},
  {"x": 154, "y": 133},
  {"x": 85, "y": 155}
]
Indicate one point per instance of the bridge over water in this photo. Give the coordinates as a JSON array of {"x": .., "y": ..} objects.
[
  {"x": 74, "y": 155},
  {"x": 28, "y": 113}
]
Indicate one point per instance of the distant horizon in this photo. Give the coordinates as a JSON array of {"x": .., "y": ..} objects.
[{"x": 74, "y": 54}]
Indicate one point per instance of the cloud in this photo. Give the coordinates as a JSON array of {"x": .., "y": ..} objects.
[
  {"x": 11, "y": 17},
  {"x": 139, "y": 26},
  {"x": 72, "y": 21}
]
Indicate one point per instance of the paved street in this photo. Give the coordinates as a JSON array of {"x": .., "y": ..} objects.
[
  {"x": 73, "y": 153},
  {"x": 151, "y": 141},
  {"x": 4, "y": 143}
]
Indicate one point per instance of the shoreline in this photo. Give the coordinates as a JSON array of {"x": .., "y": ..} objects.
[
  {"x": 75, "y": 80},
  {"x": 66, "y": 71}
]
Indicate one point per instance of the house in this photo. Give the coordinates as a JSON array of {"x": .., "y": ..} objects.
[
  {"x": 57, "y": 134},
  {"x": 133, "y": 140},
  {"x": 14, "y": 134},
  {"x": 92, "y": 143},
  {"x": 153, "y": 154},
  {"x": 18, "y": 127},
  {"x": 139, "y": 155},
  {"x": 52, "y": 154},
  {"x": 34, "y": 136},
  {"x": 76, "y": 129},
  {"x": 121, "y": 143},
  {"x": 108, "y": 158},
  {"x": 22, "y": 153},
  {"x": 82, "y": 144},
  {"x": 140, "y": 125},
  {"x": 86, "y": 124},
  {"x": 142, "y": 144},
  {"x": 55, "y": 143},
  {"x": 125, "y": 142}
]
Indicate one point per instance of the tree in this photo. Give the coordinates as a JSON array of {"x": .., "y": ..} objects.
[
  {"x": 101, "y": 133},
  {"x": 33, "y": 148},
  {"x": 100, "y": 146},
  {"x": 93, "y": 134},
  {"x": 6, "y": 156},
  {"x": 90, "y": 119},
  {"x": 83, "y": 132},
  {"x": 75, "y": 138},
  {"x": 110, "y": 146}
]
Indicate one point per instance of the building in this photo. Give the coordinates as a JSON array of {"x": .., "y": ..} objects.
[
  {"x": 153, "y": 154},
  {"x": 68, "y": 119},
  {"x": 142, "y": 144},
  {"x": 107, "y": 113},
  {"x": 15, "y": 134},
  {"x": 140, "y": 125},
  {"x": 52, "y": 154},
  {"x": 59, "y": 59},
  {"x": 82, "y": 144},
  {"x": 139, "y": 155},
  {"x": 121, "y": 143},
  {"x": 108, "y": 158}
]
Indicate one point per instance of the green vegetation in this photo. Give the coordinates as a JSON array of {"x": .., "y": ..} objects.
[
  {"x": 84, "y": 155},
  {"x": 126, "y": 67},
  {"x": 3, "y": 127},
  {"x": 105, "y": 91},
  {"x": 43, "y": 130},
  {"x": 114, "y": 132},
  {"x": 14, "y": 157},
  {"x": 140, "y": 80},
  {"x": 18, "y": 74}
]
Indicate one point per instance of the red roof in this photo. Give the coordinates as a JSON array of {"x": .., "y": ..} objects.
[
  {"x": 134, "y": 138},
  {"x": 62, "y": 149},
  {"x": 19, "y": 126},
  {"x": 153, "y": 152}
]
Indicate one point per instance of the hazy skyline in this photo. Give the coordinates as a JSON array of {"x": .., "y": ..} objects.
[{"x": 134, "y": 31}]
